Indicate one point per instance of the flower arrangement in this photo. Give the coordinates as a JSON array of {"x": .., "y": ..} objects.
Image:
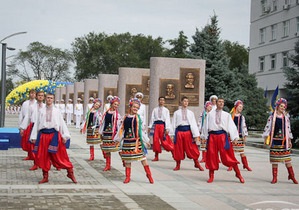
[{"x": 21, "y": 93}]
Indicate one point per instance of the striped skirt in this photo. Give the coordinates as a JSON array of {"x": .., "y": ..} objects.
[
  {"x": 93, "y": 136},
  {"x": 239, "y": 146},
  {"x": 108, "y": 144},
  {"x": 279, "y": 153},
  {"x": 132, "y": 150}
]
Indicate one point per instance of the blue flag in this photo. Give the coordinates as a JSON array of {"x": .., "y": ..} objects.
[
  {"x": 274, "y": 98},
  {"x": 266, "y": 92}
]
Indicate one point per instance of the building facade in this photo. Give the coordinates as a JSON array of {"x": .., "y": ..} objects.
[{"x": 274, "y": 29}]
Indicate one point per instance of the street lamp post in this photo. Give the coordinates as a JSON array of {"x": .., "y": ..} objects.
[{"x": 3, "y": 76}]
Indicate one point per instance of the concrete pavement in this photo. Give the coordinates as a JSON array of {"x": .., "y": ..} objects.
[{"x": 184, "y": 189}]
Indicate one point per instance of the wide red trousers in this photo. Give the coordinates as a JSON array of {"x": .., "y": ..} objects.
[
  {"x": 158, "y": 140},
  {"x": 25, "y": 144},
  {"x": 60, "y": 159},
  {"x": 184, "y": 144},
  {"x": 216, "y": 145}
]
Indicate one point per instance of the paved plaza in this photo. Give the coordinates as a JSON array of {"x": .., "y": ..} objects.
[{"x": 186, "y": 189}]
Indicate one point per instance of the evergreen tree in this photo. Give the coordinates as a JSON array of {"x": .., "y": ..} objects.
[
  {"x": 219, "y": 79},
  {"x": 179, "y": 46}
]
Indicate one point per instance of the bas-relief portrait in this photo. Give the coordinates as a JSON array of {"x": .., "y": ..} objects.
[
  {"x": 169, "y": 88},
  {"x": 93, "y": 93},
  {"x": 109, "y": 91},
  {"x": 189, "y": 78},
  {"x": 131, "y": 90},
  {"x": 80, "y": 95},
  {"x": 145, "y": 89}
]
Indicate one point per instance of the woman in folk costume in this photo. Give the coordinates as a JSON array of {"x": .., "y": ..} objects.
[
  {"x": 91, "y": 124},
  {"x": 108, "y": 129},
  {"x": 201, "y": 120},
  {"x": 239, "y": 121},
  {"x": 277, "y": 135},
  {"x": 134, "y": 140}
]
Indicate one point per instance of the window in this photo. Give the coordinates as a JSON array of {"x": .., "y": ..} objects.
[
  {"x": 287, "y": 2},
  {"x": 285, "y": 59},
  {"x": 264, "y": 6},
  {"x": 286, "y": 28},
  {"x": 262, "y": 63},
  {"x": 273, "y": 61},
  {"x": 274, "y": 5},
  {"x": 297, "y": 24},
  {"x": 262, "y": 35},
  {"x": 273, "y": 31}
]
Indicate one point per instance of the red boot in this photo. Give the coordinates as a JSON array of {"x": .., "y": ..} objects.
[
  {"x": 128, "y": 175},
  {"x": 108, "y": 163},
  {"x": 197, "y": 165},
  {"x": 230, "y": 168},
  {"x": 33, "y": 168},
  {"x": 211, "y": 176},
  {"x": 238, "y": 173},
  {"x": 292, "y": 175},
  {"x": 91, "y": 151},
  {"x": 204, "y": 155},
  {"x": 178, "y": 165},
  {"x": 245, "y": 163},
  {"x": 274, "y": 173},
  {"x": 70, "y": 174},
  {"x": 156, "y": 157},
  {"x": 148, "y": 174},
  {"x": 45, "y": 177}
]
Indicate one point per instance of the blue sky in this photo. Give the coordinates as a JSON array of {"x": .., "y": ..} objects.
[{"x": 59, "y": 22}]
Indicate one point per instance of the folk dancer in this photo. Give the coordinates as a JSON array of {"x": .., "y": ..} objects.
[
  {"x": 107, "y": 105},
  {"x": 239, "y": 121},
  {"x": 49, "y": 134},
  {"x": 160, "y": 122},
  {"x": 25, "y": 125},
  {"x": 278, "y": 135},
  {"x": 186, "y": 135},
  {"x": 217, "y": 126},
  {"x": 134, "y": 140},
  {"x": 201, "y": 120},
  {"x": 213, "y": 99},
  {"x": 91, "y": 126},
  {"x": 108, "y": 129}
]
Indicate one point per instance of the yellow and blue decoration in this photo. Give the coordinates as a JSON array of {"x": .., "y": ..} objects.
[{"x": 21, "y": 93}]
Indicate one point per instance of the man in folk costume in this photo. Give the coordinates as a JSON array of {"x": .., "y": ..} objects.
[
  {"x": 278, "y": 136},
  {"x": 142, "y": 110},
  {"x": 107, "y": 105},
  {"x": 34, "y": 110},
  {"x": 78, "y": 112},
  {"x": 186, "y": 135},
  {"x": 134, "y": 140},
  {"x": 110, "y": 125},
  {"x": 90, "y": 104},
  {"x": 49, "y": 134},
  {"x": 69, "y": 109},
  {"x": 91, "y": 126},
  {"x": 217, "y": 127},
  {"x": 160, "y": 122},
  {"x": 239, "y": 121},
  {"x": 25, "y": 125},
  {"x": 213, "y": 99},
  {"x": 201, "y": 120}
]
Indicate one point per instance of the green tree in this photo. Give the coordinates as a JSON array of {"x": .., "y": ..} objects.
[
  {"x": 219, "y": 79},
  {"x": 179, "y": 46},
  {"x": 41, "y": 62},
  {"x": 237, "y": 53},
  {"x": 292, "y": 87},
  {"x": 100, "y": 53}
]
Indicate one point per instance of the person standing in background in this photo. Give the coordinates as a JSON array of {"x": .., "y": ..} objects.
[
  {"x": 78, "y": 112},
  {"x": 69, "y": 109}
]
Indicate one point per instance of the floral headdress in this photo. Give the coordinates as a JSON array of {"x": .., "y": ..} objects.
[
  {"x": 208, "y": 103},
  {"x": 97, "y": 100},
  {"x": 114, "y": 99},
  {"x": 236, "y": 104},
  {"x": 281, "y": 101},
  {"x": 134, "y": 101}
]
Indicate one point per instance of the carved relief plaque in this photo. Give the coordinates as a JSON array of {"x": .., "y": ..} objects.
[
  {"x": 93, "y": 93},
  {"x": 109, "y": 91},
  {"x": 169, "y": 88},
  {"x": 145, "y": 89},
  {"x": 131, "y": 90},
  {"x": 189, "y": 83}
]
